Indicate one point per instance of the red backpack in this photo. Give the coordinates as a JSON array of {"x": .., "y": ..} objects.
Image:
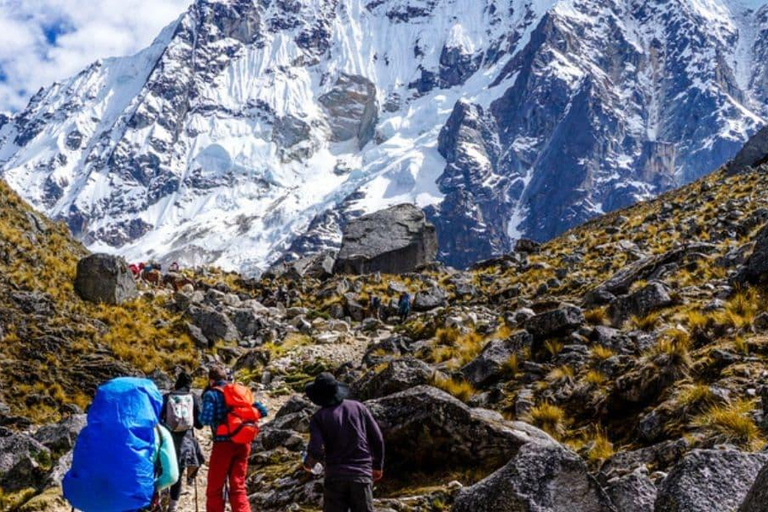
[{"x": 241, "y": 425}]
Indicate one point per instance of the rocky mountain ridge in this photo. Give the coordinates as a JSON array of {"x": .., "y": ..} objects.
[{"x": 275, "y": 123}]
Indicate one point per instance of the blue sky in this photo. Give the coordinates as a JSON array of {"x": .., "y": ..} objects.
[{"x": 42, "y": 41}]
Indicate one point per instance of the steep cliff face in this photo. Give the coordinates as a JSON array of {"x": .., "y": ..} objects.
[{"x": 254, "y": 130}]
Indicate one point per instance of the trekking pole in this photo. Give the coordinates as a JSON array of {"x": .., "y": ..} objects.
[{"x": 197, "y": 503}]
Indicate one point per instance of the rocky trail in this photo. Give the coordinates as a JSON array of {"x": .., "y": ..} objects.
[{"x": 618, "y": 368}]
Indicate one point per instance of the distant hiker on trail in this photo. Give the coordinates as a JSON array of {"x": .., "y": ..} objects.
[
  {"x": 346, "y": 439},
  {"x": 181, "y": 415},
  {"x": 374, "y": 307},
  {"x": 232, "y": 413},
  {"x": 123, "y": 457},
  {"x": 404, "y": 306}
]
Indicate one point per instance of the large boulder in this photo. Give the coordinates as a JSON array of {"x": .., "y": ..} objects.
[
  {"x": 495, "y": 357},
  {"x": 542, "y": 476},
  {"x": 317, "y": 266},
  {"x": 426, "y": 428},
  {"x": 395, "y": 241},
  {"x": 60, "y": 437},
  {"x": 427, "y": 300},
  {"x": 105, "y": 278},
  {"x": 709, "y": 481},
  {"x": 755, "y": 270},
  {"x": 752, "y": 154},
  {"x": 398, "y": 375},
  {"x": 649, "y": 298},
  {"x": 634, "y": 492},
  {"x": 214, "y": 324},
  {"x": 23, "y": 461},
  {"x": 757, "y": 497},
  {"x": 564, "y": 319}
]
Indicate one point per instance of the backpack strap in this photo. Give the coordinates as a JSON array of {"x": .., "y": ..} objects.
[{"x": 158, "y": 464}]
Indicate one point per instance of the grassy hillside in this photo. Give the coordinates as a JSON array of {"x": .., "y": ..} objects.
[{"x": 56, "y": 348}]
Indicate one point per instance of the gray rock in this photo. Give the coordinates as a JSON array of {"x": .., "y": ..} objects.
[
  {"x": 541, "y": 477},
  {"x": 23, "y": 461},
  {"x": 317, "y": 266},
  {"x": 432, "y": 298},
  {"x": 752, "y": 154},
  {"x": 710, "y": 481},
  {"x": 634, "y": 492},
  {"x": 247, "y": 322},
  {"x": 399, "y": 375},
  {"x": 651, "y": 297},
  {"x": 396, "y": 241},
  {"x": 562, "y": 320},
  {"x": 492, "y": 361},
  {"x": 105, "y": 278},
  {"x": 425, "y": 428},
  {"x": 757, "y": 497},
  {"x": 60, "y": 437},
  {"x": 352, "y": 109},
  {"x": 756, "y": 269},
  {"x": 214, "y": 325}
]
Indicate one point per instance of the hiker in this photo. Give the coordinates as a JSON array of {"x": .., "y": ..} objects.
[
  {"x": 374, "y": 307},
  {"x": 174, "y": 267},
  {"x": 233, "y": 415},
  {"x": 404, "y": 306},
  {"x": 123, "y": 457},
  {"x": 345, "y": 438},
  {"x": 181, "y": 415}
]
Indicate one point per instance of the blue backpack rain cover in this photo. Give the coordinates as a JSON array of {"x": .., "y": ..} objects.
[{"x": 113, "y": 466}]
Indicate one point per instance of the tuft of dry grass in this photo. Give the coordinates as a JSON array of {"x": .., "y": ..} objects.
[
  {"x": 550, "y": 418},
  {"x": 732, "y": 423},
  {"x": 459, "y": 388},
  {"x": 647, "y": 323},
  {"x": 601, "y": 353},
  {"x": 601, "y": 447}
]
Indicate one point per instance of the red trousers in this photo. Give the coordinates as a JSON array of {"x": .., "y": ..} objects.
[{"x": 228, "y": 460}]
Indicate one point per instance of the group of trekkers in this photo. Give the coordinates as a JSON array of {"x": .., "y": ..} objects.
[
  {"x": 138, "y": 444},
  {"x": 403, "y": 307}
]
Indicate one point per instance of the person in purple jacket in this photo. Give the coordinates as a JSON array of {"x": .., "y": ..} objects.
[{"x": 345, "y": 438}]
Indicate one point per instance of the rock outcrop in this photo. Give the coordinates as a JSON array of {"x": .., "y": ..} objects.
[
  {"x": 541, "y": 476},
  {"x": 710, "y": 481},
  {"x": 752, "y": 154},
  {"x": 395, "y": 240},
  {"x": 458, "y": 436},
  {"x": 106, "y": 279}
]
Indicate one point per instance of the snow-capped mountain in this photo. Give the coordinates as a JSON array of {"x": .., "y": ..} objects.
[{"x": 252, "y": 129}]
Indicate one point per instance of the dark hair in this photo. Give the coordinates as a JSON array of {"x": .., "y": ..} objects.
[
  {"x": 184, "y": 380},
  {"x": 217, "y": 372}
]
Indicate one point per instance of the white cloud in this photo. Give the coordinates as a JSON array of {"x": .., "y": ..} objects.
[{"x": 84, "y": 30}]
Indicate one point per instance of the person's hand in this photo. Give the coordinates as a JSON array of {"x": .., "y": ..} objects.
[{"x": 377, "y": 475}]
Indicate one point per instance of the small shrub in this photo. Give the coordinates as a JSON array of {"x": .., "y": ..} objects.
[
  {"x": 447, "y": 335},
  {"x": 459, "y": 388},
  {"x": 647, "y": 323},
  {"x": 595, "y": 378},
  {"x": 561, "y": 374},
  {"x": 597, "y": 316},
  {"x": 550, "y": 418},
  {"x": 553, "y": 347},
  {"x": 601, "y": 353},
  {"x": 733, "y": 424},
  {"x": 512, "y": 366},
  {"x": 601, "y": 447}
]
